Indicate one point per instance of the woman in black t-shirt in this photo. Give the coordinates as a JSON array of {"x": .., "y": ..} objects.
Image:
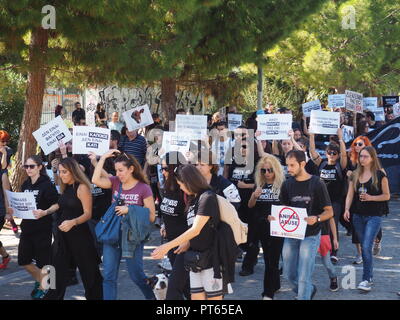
[
  {"x": 269, "y": 178},
  {"x": 368, "y": 191},
  {"x": 201, "y": 210}
]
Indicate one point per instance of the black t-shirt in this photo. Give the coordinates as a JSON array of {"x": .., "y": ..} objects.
[
  {"x": 264, "y": 202},
  {"x": 204, "y": 204},
  {"x": 172, "y": 208},
  {"x": 299, "y": 196},
  {"x": 369, "y": 208},
  {"x": 78, "y": 114},
  {"x": 101, "y": 201},
  {"x": 311, "y": 168},
  {"x": 241, "y": 172},
  {"x": 226, "y": 189},
  {"x": 329, "y": 174}
]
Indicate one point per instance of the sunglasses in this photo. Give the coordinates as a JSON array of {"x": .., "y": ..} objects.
[
  {"x": 332, "y": 153},
  {"x": 264, "y": 171},
  {"x": 360, "y": 144},
  {"x": 30, "y": 166}
]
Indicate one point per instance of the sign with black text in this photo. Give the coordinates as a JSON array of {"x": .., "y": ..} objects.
[
  {"x": 274, "y": 126},
  {"x": 354, "y": 101},
  {"x": 337, "y": 100},
  {"x": 289, "y": 222},
  {"x": 234, "y": 121},
  {"x": 312, "y": 105},
  {"x": 23, "y": 204},
  {"x": 324, "y": 122},
  {"x": 90, "y": 139}
]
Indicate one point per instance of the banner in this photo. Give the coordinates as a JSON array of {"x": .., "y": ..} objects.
[
  {"x": 234, "y": 121},
  {"x": 324, "y": 122},
  {"x": 51, "y": 133},
  {"x": 337, "y": 100},
  {"x": 274, "y": 126},
  {"x": 312, "y": 105},
  {"x": 138, "y": 117},
  {"x": 348, "y": 133},
  {"x": 195, "y": 127},
  {"x": 90, "y": 139},
  {"x": 354, "y": 101},
  {"x": 289, "y": 222},
  {"x": 23, "y": 204},
  {"x": 174, "y": 142},
  {"x": 388, "y": 101}
]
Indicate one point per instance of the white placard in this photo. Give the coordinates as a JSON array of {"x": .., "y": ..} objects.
[
  {"x": 195, "y": 127},
  {"x": 354, "y": 101},
  {"x": 324, "y": 122},
  {"x": 312, "y": 105},
  {"x": 336, "y": 100},
  {"x": 348, "y": 133},
  {"x": 138, "y": 117},
  {"x": 396, "y": 109},
  {"x": 289, "y": 222},
  {"x": 90, "y": 139},
  {"x": 174, "y": 142},
  {"x": 370, "y": 103},
  {"x": 23, "y": 204},
  {"x": 51, "y": 133},
  {"x": 234, "y": 121},
  {"x": 274, "y": 126}
]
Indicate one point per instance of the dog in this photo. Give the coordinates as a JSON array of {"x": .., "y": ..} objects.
[
  {"x": 159, "y": 284},
  {"x": 137, "y": 115}
]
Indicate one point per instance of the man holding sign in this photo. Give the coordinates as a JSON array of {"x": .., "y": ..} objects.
[{"x": 303, "y": 191}]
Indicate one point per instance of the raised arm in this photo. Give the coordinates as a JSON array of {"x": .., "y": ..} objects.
[
  {"x": 98, "y": 177},
  {"x": 315, "y": 157},
  {"x": 343, "y": 154}
]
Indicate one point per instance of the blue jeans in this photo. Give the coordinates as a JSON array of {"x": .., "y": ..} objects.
[
  {"x": 329, "y": 266},
  {"x": 367, "y": 227},
  {"x": 299, "y": 262},
  {"x": 111, "y": 260}
]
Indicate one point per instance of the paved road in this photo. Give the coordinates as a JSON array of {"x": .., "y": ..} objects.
[{"x": 16, "y": 284}]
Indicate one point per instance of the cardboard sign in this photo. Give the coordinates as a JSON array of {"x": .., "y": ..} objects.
[
  {"x": 312, "y": 105},
  {"x": 195, "y": 127},
  {"x": 23, "y": 204},
  {"x": 51, "y": 134},
  {"x": 289, "y": 222},
  {"x": 172, "y": 141},
  {"x": 138, "y": 117},
  {"x": 274, "y": 126},
  {"x": 234, "y": 121},
  {"x": 90, "y": 139},
  {"x": 324, "y": 122},
  {"x": 336, "y": 100},
  {"x": 348, "y": 133},
  {"x": 354, "y": 101}
]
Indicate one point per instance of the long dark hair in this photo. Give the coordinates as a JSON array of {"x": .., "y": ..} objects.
[
  {"x": 130, "y": 161},
  {"x": 78, "y": 175},
  {"x": 192, "y": 179},
  {"x": 173, "y": 160},
  {"x": 38, "y": 160}
]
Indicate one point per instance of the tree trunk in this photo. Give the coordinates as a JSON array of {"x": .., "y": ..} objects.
[
  {"x": 168, "y": 99},
  {"x": 33, "y": 104}
]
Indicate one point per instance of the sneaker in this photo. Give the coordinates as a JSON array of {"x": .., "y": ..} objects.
[
  {"x": 40, "y": 294},
  {"x": 398, "y": 293},
  {"x": 313, "y": 292},
  {"x": 245, "y": 273},
  {"x": 35, "y": 289},
  {"x": 334, "y": 284},
  {"x": 334, "y": 259},
  {"x": 358, "y": 260},
  {"x": 365, "y": 286},
  {"x": 266, "y": 298},
  {"x": 377, "y": 248},
  {"x": 6, "y": 261}
]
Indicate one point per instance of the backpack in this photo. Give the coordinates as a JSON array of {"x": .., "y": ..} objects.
[{"x": 229, "y": 215}]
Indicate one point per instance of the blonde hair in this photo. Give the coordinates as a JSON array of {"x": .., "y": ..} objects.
[
  {"x": 276, "y": 167},
  {"x": 375, "y": 166},
  {"x": 77, "y": 174}
]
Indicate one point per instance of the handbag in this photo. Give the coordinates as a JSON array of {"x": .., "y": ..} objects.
[
  {"x": 109, "y": 227},
  {"x": 197, "y": 261}
]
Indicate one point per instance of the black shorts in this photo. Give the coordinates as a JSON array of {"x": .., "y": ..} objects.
[{"x": 35, "y": 247}]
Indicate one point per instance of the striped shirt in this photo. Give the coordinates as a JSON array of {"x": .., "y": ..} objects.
[{"x": 136, "y": 147}]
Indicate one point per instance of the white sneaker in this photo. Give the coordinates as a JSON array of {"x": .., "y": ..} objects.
[
  {"x": 365, "y": 286},
  {"x": 358, "y": 260},
  {"x": 266, "y": 298}
]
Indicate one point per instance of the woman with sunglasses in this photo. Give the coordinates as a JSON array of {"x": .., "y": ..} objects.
[
  {"x": 36, "y": 235},
  {"x": 135, "y": 190},
  {"x": 368, "y": 191},
  {"x": 269, "y": 178},
  {"x": 172, "y": 209}
]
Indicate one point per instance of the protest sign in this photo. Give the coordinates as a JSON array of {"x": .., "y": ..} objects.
[
  {"x": 348, "y": 133},
  {"x": 23, "y": 204},
  {"x": 336, "y": 100},
  {"x": 370, "y": 103},
  {"x": 138, "y": 117},
  {"x": 388, "y": 101},
  {"x": 274, "y": 126},
  {"x": 289, "y": 222},
  {"x": 312, "y": 105},
  {"x": 324, "y": 122},
  {"x": 172, "y": 141},
  {"x": 354, "y": 101},
  {"x": 90, "y": 139},
  {"x": 396, "y": 109},
  {"x": 234, "y": 121},
  {"x": 50, "y": 134},
  {"x": 195, "y": 127}
]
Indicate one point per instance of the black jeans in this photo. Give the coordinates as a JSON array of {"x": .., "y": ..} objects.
[
  {"x": 178, "y": 281},
  {"x": 251, "y": 247}
]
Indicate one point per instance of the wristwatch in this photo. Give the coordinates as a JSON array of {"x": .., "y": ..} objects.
[{"x": 318, "y": 219}]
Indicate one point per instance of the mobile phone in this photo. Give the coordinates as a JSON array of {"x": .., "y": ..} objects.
[{"x": 120, "y": 202}]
